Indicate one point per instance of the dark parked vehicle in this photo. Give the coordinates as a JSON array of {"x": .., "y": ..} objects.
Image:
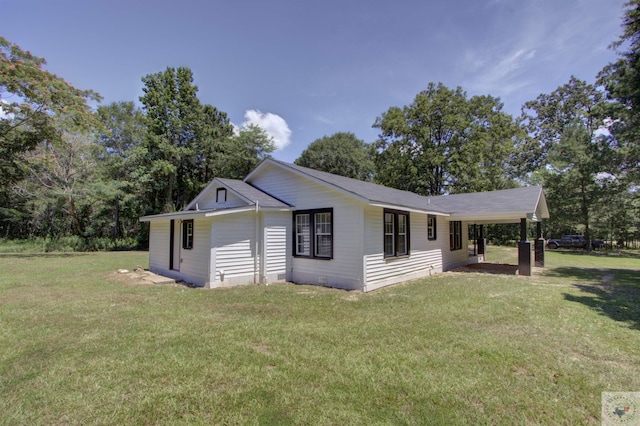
[{"x": 574, "y": 241}]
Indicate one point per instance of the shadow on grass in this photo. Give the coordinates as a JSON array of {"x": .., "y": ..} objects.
[
  {"x": 629, "y": 254},
  {"x": 611, "y": 292}
]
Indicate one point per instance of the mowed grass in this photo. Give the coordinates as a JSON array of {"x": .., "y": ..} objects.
[{"x": 79, "y": 345}]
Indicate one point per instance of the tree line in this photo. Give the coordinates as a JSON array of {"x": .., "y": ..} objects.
[
  {"x": 67, "y": 170},
  {"x": 70, "y": 171}
]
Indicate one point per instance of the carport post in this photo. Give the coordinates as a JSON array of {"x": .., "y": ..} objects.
[
  {"x": 524, "y": 250},
  {"x": 539, "y": 247},
  {"x": 482, "y": 242}
]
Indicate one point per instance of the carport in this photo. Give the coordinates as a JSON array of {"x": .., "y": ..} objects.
[{"x": 521, "y": 205}]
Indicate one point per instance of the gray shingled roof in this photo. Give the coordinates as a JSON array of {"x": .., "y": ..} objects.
[
  {"x": 253, "y": 194},
  {"x": 523, "y": 200},
  {"x": 370, "y": 191},
  {"x": 507, "y": 204}
]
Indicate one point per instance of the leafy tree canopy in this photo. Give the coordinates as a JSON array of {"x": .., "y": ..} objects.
[
  {"x": 445, "y": 142},
  {"x": 546, "y": 118},
  {"x": 577, "y": 164},
  {"x": 245, "y": 150},
  {"x": 342, "y": 154},
  {"x": 33, "y": 103},
  {"x": 173, "y": 116},
  {"x": 621, "y": 81}
]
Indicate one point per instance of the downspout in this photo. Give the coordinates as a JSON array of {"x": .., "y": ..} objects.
[{"x": 256, "y": 273}]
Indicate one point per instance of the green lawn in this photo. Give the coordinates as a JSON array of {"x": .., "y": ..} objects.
[{"x": 78, "y": 345}]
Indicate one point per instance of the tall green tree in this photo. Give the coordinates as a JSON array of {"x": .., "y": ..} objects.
[
  {"x": 59, "y": 186},
  {"x": 36, "y": 108},
  {"x": 123, "y": 128},
  {"x": 119, "y": 197},
  {"x": 546, "y": 118},
  {"x": 173, "y": 116},
  {"x": 244, "y": 151},
  {"x": 445, "y": 142},
  {"x": 213, "y": 144},
  {"x": 621, "y": 81},
  {"x": 187, "y": 143},
  {"x": 576, "y": 159},
  {"x": 32, "y": 101},
  {"x": 342, "y": 154}
]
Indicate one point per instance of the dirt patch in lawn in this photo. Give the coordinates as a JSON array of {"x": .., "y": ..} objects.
[{"x": 142, "y": 277}]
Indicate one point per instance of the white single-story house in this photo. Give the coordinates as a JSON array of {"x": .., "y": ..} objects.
[{"x": 284, "y": 222}]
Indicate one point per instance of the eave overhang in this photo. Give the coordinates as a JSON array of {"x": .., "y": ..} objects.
[
  {"x": 194, "y": 214},
  {"x": 409, "y": 209}
]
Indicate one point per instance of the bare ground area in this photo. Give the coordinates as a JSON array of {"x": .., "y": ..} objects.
[
  {"x": 141, "y": 276},
  {"x": 489, "y": 268}
]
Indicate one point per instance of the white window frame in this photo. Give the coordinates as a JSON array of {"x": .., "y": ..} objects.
[
  {"x": 303, "y": 234},
  {"x": 187, "y": 238},
  {"x": 432, "y": 224}
]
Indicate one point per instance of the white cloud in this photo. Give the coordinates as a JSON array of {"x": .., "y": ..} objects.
[
  {"x": 236, "y": 129},
  {"x": 323, "y": 119},
  {"x": 3, "y": 114},
  {"x": 500, "y": 72},
  {"x": 274, "y": 125}
]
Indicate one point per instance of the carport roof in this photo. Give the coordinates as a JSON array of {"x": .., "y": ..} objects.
[{"x": 507, "y": 205}]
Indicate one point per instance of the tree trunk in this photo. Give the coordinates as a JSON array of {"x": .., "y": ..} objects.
[
  {"x": 116, "y": 220},
  {"x": 585, "y": 216},
  {"x": 74, "y": 216}
]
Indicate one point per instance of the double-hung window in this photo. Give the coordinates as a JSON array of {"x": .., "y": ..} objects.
[
  {"x": 455, "y": 235},
  {"x": 431, "y": 227},
  {"x": 313, "y": 236},
  {"x": 396, "y": 233},
  {"x": 187, "y": 234}
]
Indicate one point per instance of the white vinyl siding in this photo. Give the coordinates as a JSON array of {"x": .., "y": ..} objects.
[
  {"x": 344, "y": 269},
  {"x": 277, "y": 252},
  {"x": 159, "y": 247},
  {"x": 425, "y": 257},
  {"x": 454, "y": 258},
  {"x": 234, "y": 241},
  {"x": 191, "y": 265},
  {"x": 211, "y": 200},
  {"x": 194, "y": 263}
]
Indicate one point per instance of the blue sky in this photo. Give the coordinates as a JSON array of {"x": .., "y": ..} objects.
[{"x": 308, "y": 69}]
